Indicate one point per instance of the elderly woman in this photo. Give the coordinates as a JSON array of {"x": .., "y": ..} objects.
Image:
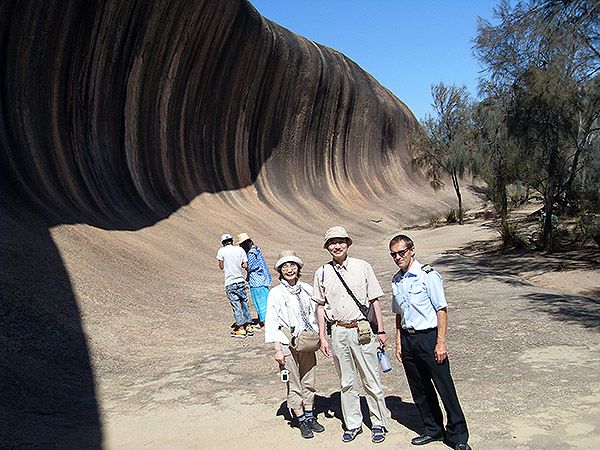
[{"x": 290, "y": 307}]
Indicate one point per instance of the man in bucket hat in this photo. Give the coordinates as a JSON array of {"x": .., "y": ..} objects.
[
  {"x": 232, "y": 260},
  {"x": 350, "y": 356}
]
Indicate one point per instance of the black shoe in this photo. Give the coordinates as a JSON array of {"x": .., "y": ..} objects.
[
  {"x": 424, "y": 439},
  {"x": 305, "y": 431},
  {"x": 314, "y": 425},
  {"x": 462, "y": 446}
]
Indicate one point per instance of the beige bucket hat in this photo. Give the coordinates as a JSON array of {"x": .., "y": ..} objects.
[
  {"x": 242, "y": 237},
  {"x": 336, "y": 232},
  {"x": 287, "y": 256}
]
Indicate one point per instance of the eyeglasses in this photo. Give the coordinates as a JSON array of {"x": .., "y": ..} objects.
[
  {"x": 337, "y": 242},
  {"x": 399, "y": 253}
]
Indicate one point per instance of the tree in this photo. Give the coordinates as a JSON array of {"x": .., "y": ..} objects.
[
  {"x": 445, "y": 147},
  {"x": 502, "y": 159},
  {"x": 541, "y": 116},
  {"x": 547, "y": 65},
  {"x": 582, "y": 17}
]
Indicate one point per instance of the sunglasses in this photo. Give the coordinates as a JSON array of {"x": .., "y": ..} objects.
[{"x": 399, "y": 253}]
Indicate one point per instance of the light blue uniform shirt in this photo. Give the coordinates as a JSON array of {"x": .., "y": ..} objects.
[{"x": 418, "y": 296}]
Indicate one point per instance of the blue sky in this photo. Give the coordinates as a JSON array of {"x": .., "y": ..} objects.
[{"x": 407, "y": 45}]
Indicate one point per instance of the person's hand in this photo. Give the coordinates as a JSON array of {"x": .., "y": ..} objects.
[
  {"x": 398, "y": 351},
  {"x": 325, "y": 347},
  {"x": 382, "y": 338},
  {"x": 441, "y": 353},
  {"x": 280, "y": 357}
]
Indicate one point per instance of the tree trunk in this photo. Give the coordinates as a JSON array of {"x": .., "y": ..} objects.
[
  {"x": 457, "y": 190},
  {"x": 550, "y": 196},
  {"x": 501, "y": 186}
]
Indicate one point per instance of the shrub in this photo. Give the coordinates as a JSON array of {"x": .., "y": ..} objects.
[
  {"x": 560, "y": 238},
  {"x": 434, "y": 222},
  {"x": 512, "y": 236},
  {"x": 452, "y": 216},
  {"x": 588, "y": 227}
]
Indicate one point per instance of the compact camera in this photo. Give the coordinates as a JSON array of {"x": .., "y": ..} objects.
[{"x": 285, "y": 375}]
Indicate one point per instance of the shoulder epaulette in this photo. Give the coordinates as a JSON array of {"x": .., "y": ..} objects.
[{"x": 427, "y": 268}]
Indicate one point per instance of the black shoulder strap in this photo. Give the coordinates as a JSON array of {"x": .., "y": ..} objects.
[{"x": 359, "y": 304}]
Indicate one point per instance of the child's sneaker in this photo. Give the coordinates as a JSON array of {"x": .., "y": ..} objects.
[
  {"x": 239, "y": 333},
  {"x": 249, "y": 331}
]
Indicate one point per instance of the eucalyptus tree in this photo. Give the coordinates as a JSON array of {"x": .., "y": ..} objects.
[{"x": 446, "y": 147}]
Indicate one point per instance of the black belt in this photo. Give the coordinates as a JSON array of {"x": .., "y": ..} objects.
[{"x": 413, "y": 331}]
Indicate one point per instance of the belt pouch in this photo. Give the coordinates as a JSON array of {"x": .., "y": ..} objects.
[{"x": 364, "y": 332}]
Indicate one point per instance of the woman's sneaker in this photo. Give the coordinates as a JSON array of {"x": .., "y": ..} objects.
[
  {"x": 305, "y": 429},
  {"x": 239, "y": 333},
  {"x": 314, "y": 425}
]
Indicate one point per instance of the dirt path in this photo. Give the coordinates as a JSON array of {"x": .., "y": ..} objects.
[{"x": 525, "y": 361}]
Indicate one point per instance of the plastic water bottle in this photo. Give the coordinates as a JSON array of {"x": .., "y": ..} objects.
[{"x": 384, "y": 362}]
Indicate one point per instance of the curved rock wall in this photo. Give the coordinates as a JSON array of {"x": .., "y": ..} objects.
[{"x": 117, "y": 113}]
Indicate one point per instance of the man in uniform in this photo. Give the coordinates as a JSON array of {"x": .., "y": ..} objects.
[
  {"x": 351, "y": 357},
  {"x": 421, "y": 322},
  {"x": 232, "y": 260}
]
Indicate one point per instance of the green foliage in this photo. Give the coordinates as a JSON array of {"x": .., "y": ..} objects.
[
  {"x": 581, "y": 16},
  {"x": 539, "y": 121},
  {"x": 559, "y": 239},
  {"x": 452, "y": 216},
  {"x": 590, "y": 200},
  {"x": 434, "y": 222},
  {"x": 512, "y": 236},
  {"x": 446, "y": 147},
  {"x": 517, "y": 195},
  {"x": 502, "y": 160},
  {"x": 588, "y": 227}
]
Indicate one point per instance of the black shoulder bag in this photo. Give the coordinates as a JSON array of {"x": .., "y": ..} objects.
[{"x": 368, "y": 312}]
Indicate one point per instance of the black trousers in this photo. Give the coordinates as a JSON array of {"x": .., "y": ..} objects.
[{"x": 425, "y": 376}]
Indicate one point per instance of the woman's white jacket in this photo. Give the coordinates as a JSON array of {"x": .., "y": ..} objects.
[{"x": 277, "y": 312}]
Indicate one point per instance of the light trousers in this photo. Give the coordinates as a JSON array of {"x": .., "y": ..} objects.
[
  {"x": 351, "y": 359},
  {"x": 301, "y": 384}
]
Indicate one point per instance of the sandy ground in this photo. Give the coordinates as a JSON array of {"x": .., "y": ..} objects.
[{"x": 523, "y": 344}]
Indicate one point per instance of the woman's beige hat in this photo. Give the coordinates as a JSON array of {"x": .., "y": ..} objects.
[
  {"x": 242, "y": 237},
  {"x": 336, "y": 232},
  {"x": 287, "y": 256}
]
